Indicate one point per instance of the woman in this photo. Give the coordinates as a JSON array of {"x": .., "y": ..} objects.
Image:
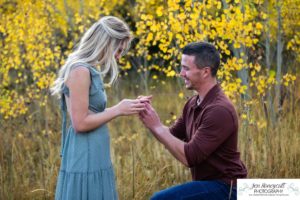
[{"x": 86, "y": 170}]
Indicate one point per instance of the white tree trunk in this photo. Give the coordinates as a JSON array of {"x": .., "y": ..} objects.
[{"x": 279, "y": 54}]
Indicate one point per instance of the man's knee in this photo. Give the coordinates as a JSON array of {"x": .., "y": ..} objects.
[
  {"x": 163, "y": 195},
  {"x": 156, "y": 196}
]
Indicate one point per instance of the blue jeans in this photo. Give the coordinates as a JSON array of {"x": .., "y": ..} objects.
[{"x": 198, "y": 190}]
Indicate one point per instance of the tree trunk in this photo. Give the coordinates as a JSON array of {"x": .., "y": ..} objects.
[
  {"x": 279, "y": 55},
  {"x": 270, "y": 112},
  {"x": 81, "y": 11},
  {"x": 69, "y": 16}
]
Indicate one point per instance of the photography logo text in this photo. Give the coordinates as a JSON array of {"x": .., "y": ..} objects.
[{"x": 256, "y": 189}]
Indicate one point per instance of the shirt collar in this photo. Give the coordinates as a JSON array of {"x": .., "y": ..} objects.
[{"x": 208, "y": 97}]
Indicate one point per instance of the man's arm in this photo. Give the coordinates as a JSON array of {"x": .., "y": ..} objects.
[
  {"x": 162, "y": 133},
  {"x": 178, "y": 129},
  {"x": 216, "y": 127}
]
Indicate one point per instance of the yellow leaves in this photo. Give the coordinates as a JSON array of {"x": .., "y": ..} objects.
[
  {"x": 288, "y": 79},
  {"x": 168, "y": 121},
  {"x": 261, "y": 84},
  {"x": 174, "y": 117},
  {"x": 264, "y": 16},
  {"x": 154, "y": 77},
  {"x": 294, "y": 45},
  {"x": 219, "y": 5},
  {"x": 149, "y": 37},
  {"x": 44, "y": 81},
  {"x": 34, "y": 34},
  {"x": 146, "y": 17},
  {"x": 155, "y": 27},
  {"x": 261, "y": 124},
  {"x": 222, "y": 46},
  {"x": 257, "y": 67},
  {"x": 81, "y": 28},
  {"x": 244, "y": 116},
  {"x": 178, "y": 26},
  {"x": 271, "y": 80},
  {"x": 170, "y": 35},
  {"x": 171, "y": 73},
  {"x": 179, "y": 37},
  {"x": 35, "y": 45},
  {"x": 163, "y": 48},
  {"x": 234, "y": 64},
  {"x": 159, "y": 11},
  {"x": 180, "y": 95},
  {"x": 236, "y": 45},
  {"x": 149, "y": 23},
  {"x": 248, "y": 41},
  {"x": 233, "y": 87},
  {"x": 259, "y": 26},
  {"x": 173, "y": 5},
  {"x": 78, "y": 18},
  {"x": 12, "y": 105},
  {"x": 242, "y": 89},
  {"x": 182, "y": 16}
]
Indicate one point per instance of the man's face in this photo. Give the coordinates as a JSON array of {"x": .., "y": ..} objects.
[{"x": 192, "y": 75}]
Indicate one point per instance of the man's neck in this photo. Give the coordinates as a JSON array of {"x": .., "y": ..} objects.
[{"x": 205, "y": 89}]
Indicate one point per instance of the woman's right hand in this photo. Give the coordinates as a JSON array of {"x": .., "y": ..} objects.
[{"x": 130, "y": 107}]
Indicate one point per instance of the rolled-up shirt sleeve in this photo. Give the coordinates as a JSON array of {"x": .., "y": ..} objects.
[
  {"x": 217, "y": 125},
  {"x": 178, "y": 129}
]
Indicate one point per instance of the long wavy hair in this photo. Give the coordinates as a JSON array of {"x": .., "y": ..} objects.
[{"x": 97, "y": 47}]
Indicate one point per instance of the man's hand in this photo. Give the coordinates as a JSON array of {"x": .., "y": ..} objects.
[
  {"x": 162, "y": 133},
  {"x": 150, "y": 119}
]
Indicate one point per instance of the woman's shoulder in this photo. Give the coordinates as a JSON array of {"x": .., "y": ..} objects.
[
  {"x": 80, "y": 65},
  {"x": 91, "y": 68},
  {"x": 79, "y": 69}
]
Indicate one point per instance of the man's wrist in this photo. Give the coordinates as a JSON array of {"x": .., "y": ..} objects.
[{"x": 159, "y": 130}]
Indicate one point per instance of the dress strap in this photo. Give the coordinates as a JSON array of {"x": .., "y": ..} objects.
[{"x": 64, "y": 122}]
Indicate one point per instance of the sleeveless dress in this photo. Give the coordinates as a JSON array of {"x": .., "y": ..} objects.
[{"x": 86, "y": 171}]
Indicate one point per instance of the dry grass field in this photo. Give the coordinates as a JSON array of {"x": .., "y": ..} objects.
[{"x": 29, "y": 147}]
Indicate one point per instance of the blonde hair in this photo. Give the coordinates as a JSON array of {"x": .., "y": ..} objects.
[{"x": 97, "y": 48}]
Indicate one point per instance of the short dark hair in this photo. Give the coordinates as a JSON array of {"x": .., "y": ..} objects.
[{"x": 206, "y": 55}]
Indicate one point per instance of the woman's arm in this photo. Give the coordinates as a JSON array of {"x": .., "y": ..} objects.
[{"x": 78, "y": 83}]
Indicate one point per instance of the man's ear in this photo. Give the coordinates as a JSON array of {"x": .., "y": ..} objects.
[{"x": 207, "y": 72}]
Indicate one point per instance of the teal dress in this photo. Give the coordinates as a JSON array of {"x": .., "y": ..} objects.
[{"x": 86, "y": 171}]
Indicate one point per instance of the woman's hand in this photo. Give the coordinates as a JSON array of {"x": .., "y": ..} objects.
[
  {"x": 145, "y": 99},
  {"x": 130, "y": 107}
]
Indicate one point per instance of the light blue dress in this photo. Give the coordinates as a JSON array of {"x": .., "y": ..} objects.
[{"x": 86, "y": 171}]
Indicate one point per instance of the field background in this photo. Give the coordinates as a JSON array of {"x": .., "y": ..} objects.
[{"x": 260, "y": 46}]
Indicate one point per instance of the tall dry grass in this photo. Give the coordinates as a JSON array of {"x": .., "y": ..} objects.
[{"x": 29, "y": 148}]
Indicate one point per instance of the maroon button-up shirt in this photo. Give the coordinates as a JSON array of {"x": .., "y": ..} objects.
[{"x": 210, "y": 131}]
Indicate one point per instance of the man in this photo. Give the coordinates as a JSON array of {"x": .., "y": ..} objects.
[{"x": 205, "y": 137}]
